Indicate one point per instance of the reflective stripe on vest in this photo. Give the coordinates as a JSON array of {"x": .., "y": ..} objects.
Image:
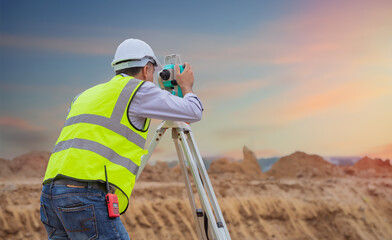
[
  {"x": 107, "y": 123},
  {"x": 113, "y": 124},
  {"x": 99, "y": 149}
]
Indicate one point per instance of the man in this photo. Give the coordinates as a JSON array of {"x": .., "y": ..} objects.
[{"x": 106, "y": 130}]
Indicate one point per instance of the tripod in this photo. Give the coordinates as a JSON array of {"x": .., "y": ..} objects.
[{"x": 209, "y": 221}]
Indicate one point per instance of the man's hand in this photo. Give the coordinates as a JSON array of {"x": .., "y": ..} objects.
[{"x": 185, "y": 79}]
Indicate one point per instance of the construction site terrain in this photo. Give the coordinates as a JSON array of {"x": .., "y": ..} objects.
[{"x": 302, "y": 197}]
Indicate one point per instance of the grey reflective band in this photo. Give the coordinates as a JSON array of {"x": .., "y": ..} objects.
[
  {"x": 108, "y": 123},
  {"x": 99, "y": 149},
  {"x": 123, "y": 99}
]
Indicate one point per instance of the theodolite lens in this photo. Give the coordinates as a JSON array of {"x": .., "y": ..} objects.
[{"x": 165, "y": 74}]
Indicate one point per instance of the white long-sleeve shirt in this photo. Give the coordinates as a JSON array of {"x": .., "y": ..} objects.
[{"x": 152, "y": 102}]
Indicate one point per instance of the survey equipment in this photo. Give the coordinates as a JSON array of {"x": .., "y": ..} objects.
[
  {"x": 209, "y": 220},
  {"x": 167, "y": 77}
]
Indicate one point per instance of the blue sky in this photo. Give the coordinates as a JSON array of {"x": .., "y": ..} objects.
[{"x": 276, "y": 76}]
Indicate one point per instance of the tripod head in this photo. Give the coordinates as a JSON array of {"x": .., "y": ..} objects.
[{"x": 167, "y": 77}]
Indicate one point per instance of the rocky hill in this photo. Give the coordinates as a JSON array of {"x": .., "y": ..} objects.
[{"x": 247, "y": 167}]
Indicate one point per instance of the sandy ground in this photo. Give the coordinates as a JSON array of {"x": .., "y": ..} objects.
[
  {"x": 333, "y": 208},
  {"x": 307, "y": 206}
]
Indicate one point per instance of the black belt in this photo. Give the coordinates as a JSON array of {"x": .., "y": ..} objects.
[{"x": 95, "y": 185}]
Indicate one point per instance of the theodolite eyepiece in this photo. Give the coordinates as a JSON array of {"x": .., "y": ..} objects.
[{"x": 165, "y": 74}]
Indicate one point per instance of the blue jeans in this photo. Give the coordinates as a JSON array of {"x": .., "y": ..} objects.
[{"x": 78, "y": 213}]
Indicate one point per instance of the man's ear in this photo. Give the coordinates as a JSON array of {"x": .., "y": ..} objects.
[{"x": 144, "y": 71}]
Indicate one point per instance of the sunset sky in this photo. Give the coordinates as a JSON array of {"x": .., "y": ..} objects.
[{"x": 276, "y": 76}]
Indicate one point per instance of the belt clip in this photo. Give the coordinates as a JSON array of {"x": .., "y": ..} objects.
[{"x": 89, "y": 187}]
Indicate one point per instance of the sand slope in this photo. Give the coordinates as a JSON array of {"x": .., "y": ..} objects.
[{"x": 284, "y": 205}]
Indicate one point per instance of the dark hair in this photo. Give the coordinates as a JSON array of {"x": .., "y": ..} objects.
[{"x": 130, "y": 71}]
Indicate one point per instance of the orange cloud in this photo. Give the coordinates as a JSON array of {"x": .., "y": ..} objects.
[
  {"x": 21, "y": 124},
  {"x": 345, "y": 93},
  {"x": 307, "y": 100},
  {"x": 383, "y": 152}
]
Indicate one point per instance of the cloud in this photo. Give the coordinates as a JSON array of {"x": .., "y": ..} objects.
[
  {"x": 24, "y": 139},
  {"x": 18, "y": 136},
  {"x": 82, "y": 45},
  {"x": 345, "y": 93},
  {"x": 25, "y": 88},
  {"x": 225, "y": 91},
  {"x": 100, "y": 41},
  {"x": 18, "y": 123}
]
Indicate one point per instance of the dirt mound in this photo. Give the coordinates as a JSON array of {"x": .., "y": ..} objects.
[
  {"x": 248, "y": 166},
  {"x": 223, "y": 165},
  {"x": 367, "y": 167},
  {"x": 32, "y": 164},
  {"x": 177, "y": 172},
  {"x": 160, "y": 172},
  {"x": 377, "y": 164},
  {"x": 300, "y": 164},
  {"x": 5, "y": 169}
]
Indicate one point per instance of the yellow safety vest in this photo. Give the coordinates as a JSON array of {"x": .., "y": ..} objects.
[{"x": 98, "y": 132}]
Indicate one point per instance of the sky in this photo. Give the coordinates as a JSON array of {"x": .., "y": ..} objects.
[{"x": 275, "y": 76}]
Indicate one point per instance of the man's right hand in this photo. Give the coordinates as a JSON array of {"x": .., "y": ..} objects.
[{"x": 185, "y": 79}]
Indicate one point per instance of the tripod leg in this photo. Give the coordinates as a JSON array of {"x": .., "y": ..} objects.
[
  {"x": 153, "y": 144},
  {"x": 188, "y": 186},
  {"x": 217, "y": 234},
  {"x": 207, "y": 230},
  {"x": 206, "y": 180},
  {"x": 210, "y": 191}
]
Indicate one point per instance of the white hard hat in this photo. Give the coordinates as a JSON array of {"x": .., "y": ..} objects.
[{"x": 134, "y": 53}]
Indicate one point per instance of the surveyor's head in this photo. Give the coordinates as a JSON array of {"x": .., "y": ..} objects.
[{"x": 136, "y": 58}]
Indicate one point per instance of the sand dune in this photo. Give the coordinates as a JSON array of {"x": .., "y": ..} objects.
[{"x": 303, "y": 198}]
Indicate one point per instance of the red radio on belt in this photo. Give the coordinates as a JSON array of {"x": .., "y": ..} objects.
[{"x": 111, "y": 200}]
